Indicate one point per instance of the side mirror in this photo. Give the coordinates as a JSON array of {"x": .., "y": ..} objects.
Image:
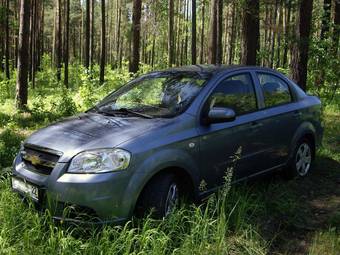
[{"x": 220, "y": 114}]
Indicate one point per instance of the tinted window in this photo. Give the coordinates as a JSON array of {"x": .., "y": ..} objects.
[
  {"x": 236, "y": 92},
  {"x": 275, "y": 90}
]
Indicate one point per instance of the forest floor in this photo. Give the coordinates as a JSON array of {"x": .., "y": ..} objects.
[
  {"x": 299, "y": 216},
  {"x": 314, "y": 225}
]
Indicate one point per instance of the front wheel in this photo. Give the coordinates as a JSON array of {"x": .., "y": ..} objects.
[
  {"x": 301, "y": 161},
  {"x": 160, "y": 197}
]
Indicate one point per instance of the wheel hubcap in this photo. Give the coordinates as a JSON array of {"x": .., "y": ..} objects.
[
  {"x": 303, "y": 159},
  {"x": 172, "y": 199}
]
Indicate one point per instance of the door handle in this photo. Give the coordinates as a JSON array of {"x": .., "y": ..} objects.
[
  {"x": 297, "y": 114},
  {"x": 256, "y": 124}
]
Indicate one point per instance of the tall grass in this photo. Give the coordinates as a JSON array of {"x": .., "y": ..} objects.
[{"x": 222, "y": 225}]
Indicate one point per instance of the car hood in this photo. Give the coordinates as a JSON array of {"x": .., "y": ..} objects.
[{"x": 90, "y": 131}]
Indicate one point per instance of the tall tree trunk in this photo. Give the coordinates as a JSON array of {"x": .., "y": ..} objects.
[
  {"x": 326, "y": 18},
  {"x": 336, "y": 32},
  {"x": 22, "y": 85},
  {"x": 58, "y": 40},
  {"x": 87, "y": 36},
  {"x": 280, "y": 28},
  {"x": 67, "y": 41},
  {"x": 171, "y": 33},
  {"x": 136, "y": 16},
  {"x": 186, "y": 31},
  {"x": 287, "y": 33},
  {"x": 213, "y": 32},
  {"x": 232, "y": 34},
  {"x": 34, "y": 32},
  {"x": 31, "y": 44},
  {"x": 250, "y": 32},
  {"x": 17, "y": 17},
  {"x": 274, "y": 29},
  {"x": 193, "y": 32},
  {"x": 202, "y": 33},
  {"x": 7, "y": 69},
  {"x": 219, "y": 52},
  {"x": 103, "y": 45},
  {"x": 91, "y": 53},
  {"x": 301, "y": 45}
]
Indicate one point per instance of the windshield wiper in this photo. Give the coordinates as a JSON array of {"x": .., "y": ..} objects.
[
  {"x": 114, "y": 112},
  {"x": 125, "y": 110}
]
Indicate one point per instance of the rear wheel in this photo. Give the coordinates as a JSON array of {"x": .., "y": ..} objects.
[
  {"x": 160, "y": 197},
  {"x": 300, "y": 163}
]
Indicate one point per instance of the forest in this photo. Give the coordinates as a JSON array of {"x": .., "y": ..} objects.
[{"x": 59, "y": 57}]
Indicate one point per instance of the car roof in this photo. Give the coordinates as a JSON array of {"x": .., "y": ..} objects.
[{"x": 215, "y": 69}]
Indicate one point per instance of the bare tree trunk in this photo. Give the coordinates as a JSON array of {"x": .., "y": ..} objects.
[
  {"x": 7, "y": 69},
  {"x": 87, "y": 36},
  {"x": 336, "y": 32},
  {"x": 171, "y": 33},
  {"x": 136, "y": 16},
  {"x": 272, "y": 51},
  {"x": 301, "y": 45},
  {"x": 22, "y": 85},
  {"x": 186, "y": 9},
  {"x": 250, "y": 33},
  {"x": 213, "y": 32},
  {"x": 280, "y": 28},
  {"x": 219, "y": 52},
  {"x": 202, "y": 33},
  {"x": 67, "y": 41},
  {"x": 193, "y": 32},
  {"x": 326, "y": 18},
  {"x": 287, "y": 33},
  {"x": 91, "y": 53},
  {"x": 103, "y": 45},
  {"x": 232, "y": 35},
  {"x": 16, "y": 32},
  {"x": 58, "y": 38}
]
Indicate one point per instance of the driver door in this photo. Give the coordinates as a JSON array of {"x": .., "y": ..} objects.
[{"x": 219, "y": 142}]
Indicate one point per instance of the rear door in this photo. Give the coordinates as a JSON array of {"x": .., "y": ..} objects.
[{"x": 280, "y": 118}]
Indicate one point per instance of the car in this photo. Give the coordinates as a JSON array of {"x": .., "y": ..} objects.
[{"x": 167, "y": 135}]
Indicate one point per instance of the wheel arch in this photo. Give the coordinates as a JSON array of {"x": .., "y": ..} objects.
[
  {"x": 174, "y": 161},
  {"x": 305, "y": 130}
]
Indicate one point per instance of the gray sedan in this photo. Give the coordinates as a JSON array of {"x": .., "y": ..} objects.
[{"x": 169, "y": 134}]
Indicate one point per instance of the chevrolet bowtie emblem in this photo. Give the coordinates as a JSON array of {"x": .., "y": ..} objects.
[{"x": 35, "y": 160}]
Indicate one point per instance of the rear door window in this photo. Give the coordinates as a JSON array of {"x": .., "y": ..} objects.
[{"x": 275, "y": 90}]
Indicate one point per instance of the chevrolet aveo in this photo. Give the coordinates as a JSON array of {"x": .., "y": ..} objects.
[{"x": 162, "y": 135}]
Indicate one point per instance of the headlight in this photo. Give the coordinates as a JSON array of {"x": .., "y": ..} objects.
[{"x": 100, "y": 161}]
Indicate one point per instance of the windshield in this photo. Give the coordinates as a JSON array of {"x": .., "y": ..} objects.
[{"x": 155, "y": 95}]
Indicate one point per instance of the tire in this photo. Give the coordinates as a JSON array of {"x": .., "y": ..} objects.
[
  {"x": 301, "y": 161},
  {"x": 160, "y": 197}
]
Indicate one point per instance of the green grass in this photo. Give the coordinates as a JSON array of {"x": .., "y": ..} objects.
[{"x": 262, "y": 217}]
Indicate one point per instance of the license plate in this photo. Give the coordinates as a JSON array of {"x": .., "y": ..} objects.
[{"x": 25, "y": 188}]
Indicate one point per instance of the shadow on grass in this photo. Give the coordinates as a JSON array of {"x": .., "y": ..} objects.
[{"x": 297, "y": 210}]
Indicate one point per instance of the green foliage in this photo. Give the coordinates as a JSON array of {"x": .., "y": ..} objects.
[
  {"x": 7, "y": 87},
  {"x": 9, "y": 146}
]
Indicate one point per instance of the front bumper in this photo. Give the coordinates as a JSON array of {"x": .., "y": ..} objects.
[{"x": 99, "y": 194}]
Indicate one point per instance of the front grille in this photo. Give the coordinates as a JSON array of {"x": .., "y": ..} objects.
[{"x": 40, "y": 160}]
